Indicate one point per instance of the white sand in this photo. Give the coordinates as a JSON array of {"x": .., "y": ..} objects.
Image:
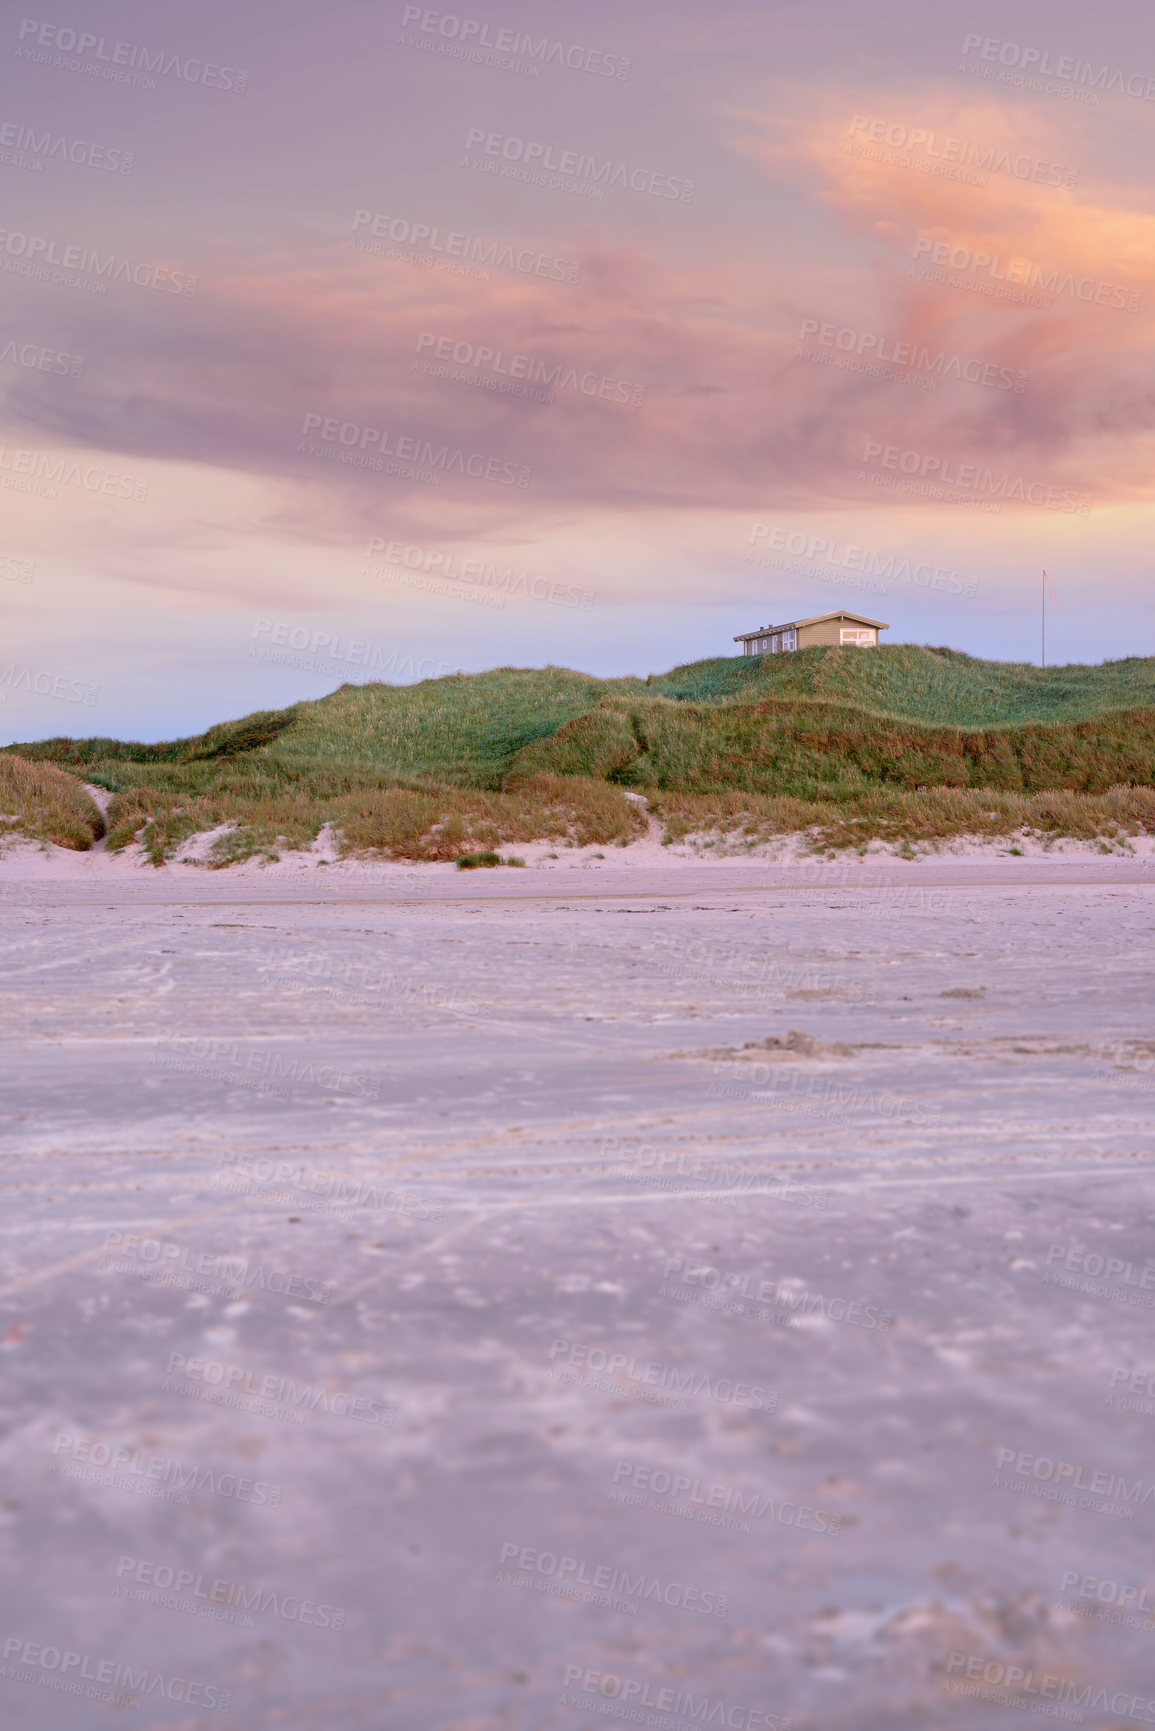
[{"x": 425, "y": 1138}]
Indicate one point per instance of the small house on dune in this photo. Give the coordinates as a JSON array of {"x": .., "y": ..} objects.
[{"x": 838, "y": 630}]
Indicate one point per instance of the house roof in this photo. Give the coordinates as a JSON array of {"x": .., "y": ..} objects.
[{"x": 818, "y": 619}]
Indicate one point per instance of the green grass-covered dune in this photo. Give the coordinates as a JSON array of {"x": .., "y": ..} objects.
[{"x": 848, "y": 744}]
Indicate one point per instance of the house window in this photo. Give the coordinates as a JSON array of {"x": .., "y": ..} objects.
[
  {"x": 775, "y": 643},
  {"x": 790, "y": 640},
  {"x": 861, "y": 639}
]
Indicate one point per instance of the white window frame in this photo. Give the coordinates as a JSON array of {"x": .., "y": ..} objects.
[{"x": 857, "y": 637}]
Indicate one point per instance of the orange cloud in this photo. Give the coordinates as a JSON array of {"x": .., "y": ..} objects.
[{"x": 737, "y": 411}]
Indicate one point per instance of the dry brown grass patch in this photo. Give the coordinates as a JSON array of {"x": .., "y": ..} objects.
[
  {"x": 931, "y": 815},
  {"x": 46, "y": 803},
  {"x": 418, "y": 823}
]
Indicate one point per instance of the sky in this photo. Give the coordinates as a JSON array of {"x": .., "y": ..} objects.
[{"x": 378, "y": 341}]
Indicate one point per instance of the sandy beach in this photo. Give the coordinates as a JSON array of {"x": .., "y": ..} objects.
[{"x": 617, "y": 1271}]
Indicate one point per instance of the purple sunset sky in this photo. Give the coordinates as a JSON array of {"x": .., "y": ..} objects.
[{"x": 812, "y": 214}]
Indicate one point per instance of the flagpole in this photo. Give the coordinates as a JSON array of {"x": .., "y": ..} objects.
[{"x": 1044, "y": 623}]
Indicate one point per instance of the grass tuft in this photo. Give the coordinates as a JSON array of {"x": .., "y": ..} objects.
[
  {"x": 46, "y": 804},
  {"x": 470, "y": 861}
]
